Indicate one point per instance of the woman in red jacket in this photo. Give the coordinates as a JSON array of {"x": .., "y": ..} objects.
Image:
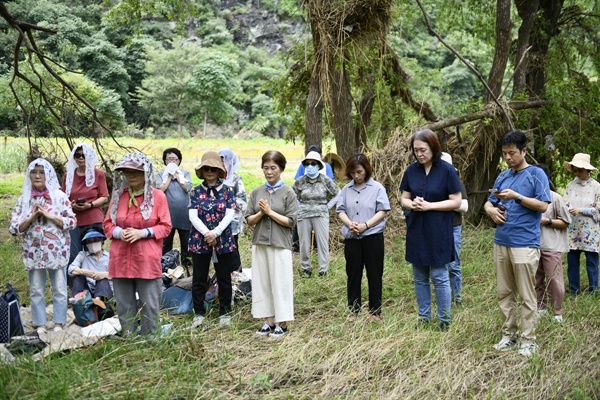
[{"x": 137, "y": 221}]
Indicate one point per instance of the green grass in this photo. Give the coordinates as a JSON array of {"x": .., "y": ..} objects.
[{"x": 325, "y": 355}]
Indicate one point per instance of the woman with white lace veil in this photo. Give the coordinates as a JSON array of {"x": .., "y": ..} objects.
[
  {"x": 231, "y": 163},
  {"x": 43, "y": 217},
  {"x": 137, "y": 221},
  {"x": 85, "y": 185}
]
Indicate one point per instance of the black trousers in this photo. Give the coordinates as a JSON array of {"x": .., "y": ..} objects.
[
  {"x": 368, "y": 252},
  {"x": 184, "y": 236},
  {"x": 201, "y": 264},
  {"x": 102, "y": 288},
  {"x": 236, "y": 261}
]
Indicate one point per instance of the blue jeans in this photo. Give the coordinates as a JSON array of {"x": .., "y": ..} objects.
[
  {"x": 37, "y": 286},
  {"x": 454, "y": 266},
  {"x": 441, "y": 284},
  {"x": 591, "y": 265}
]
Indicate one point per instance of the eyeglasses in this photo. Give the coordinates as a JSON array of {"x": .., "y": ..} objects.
[
  {"x": 79, "y": 155},
  {"x": 311, "y": 163},
  {"x": 37, "y": 173},
  {"x": 576, "y": 169},
  {"x": 172, "y": 159},
  {"x": 210, "y": 169}
]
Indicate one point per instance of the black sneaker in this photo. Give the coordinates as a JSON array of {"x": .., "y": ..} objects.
[
  {"x": 322, "y": 273},
  {"x": 306, "y": 273},
  {"x": 278, "y": 332},
  {"x": 265, "y": 330}
]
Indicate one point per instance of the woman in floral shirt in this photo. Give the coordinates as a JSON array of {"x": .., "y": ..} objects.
[
  {"x": 211, "y": 210},
  {"x": 583, "y": 200},
  {"x": 43, "y": 216}
]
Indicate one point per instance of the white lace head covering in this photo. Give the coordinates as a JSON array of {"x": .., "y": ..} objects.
[
  {"x": 120, "y": 183},
  {"x": 52, "y": 184},
  {"x": 232, "y": 164},
  {"x": 90, "y": 162}
]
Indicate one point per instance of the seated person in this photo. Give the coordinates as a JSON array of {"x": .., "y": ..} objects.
[{"x": 90, "y": 268}]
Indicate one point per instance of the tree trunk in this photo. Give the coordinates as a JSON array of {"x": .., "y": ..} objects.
[
  {"x": 544, "y": 30},
  {"x": 503, "y": 29},
  {"x": 482, "y": 170},
  {"x": 341, "y": 113},
  {"x": 314, "y": 115},
  {"x": 527, "y": 10},
  {"x": 364, "y": 110}
]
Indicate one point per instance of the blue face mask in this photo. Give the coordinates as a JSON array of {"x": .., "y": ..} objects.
[{"x": 312, "y": 171}]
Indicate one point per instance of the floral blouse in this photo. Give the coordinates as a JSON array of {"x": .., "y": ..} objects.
[
  {"x": 584, "y": 230},
  {"x": 45, "y": 245},
  {"x": 211, "y": 210}
]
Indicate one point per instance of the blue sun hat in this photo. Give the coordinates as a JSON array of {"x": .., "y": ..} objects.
[{"x": 92, "y": 234}]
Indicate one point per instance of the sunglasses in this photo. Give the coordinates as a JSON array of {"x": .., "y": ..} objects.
[
  {"x": 210, "y": 169},
  {"x": 79, "y": 155},
  {"x": 311, "y": 163},
  {"x": 576, "y": 169}
]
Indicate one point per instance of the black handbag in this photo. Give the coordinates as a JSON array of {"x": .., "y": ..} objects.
[{"x": 10, "y": 315}]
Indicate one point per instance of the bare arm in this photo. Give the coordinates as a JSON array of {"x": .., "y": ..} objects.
[{"x": 529, "y": 202}]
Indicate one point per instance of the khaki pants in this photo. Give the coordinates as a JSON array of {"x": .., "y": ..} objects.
[{"x": 515, "y": 272}]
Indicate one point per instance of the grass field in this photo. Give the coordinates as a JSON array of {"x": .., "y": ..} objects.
[{"x": 325, "y": 355}]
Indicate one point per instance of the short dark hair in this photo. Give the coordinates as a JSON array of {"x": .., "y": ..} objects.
[
  {"x": 359, "y": 159},
  {"x": 427, "y": 136},
  {"x": 171, "y": 150},
  {"x": 313, "y": 147},
  {"x": 276, "y": 157},
  {"x": 517, "y": 138}
]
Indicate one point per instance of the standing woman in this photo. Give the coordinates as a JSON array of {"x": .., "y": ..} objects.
[
  {"x": 85, "y": 185},
  {"x": 176, "y": 184},
  {"x": 211, "y": 210},
  {"x": 137, "y": 222},
  {"x": 583, "y": 201},
  {"x": 235, "y": 182},
  {"x": 313, "y": 190},
  {"x": 431, "y": 191},
  {"x": 43, "y": 216},
  {"x": 362, "y": 206},
  {"x": 272, "y": 211}
]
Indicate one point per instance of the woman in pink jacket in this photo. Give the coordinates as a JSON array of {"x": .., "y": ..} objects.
[{"x": 137, "y": 221}]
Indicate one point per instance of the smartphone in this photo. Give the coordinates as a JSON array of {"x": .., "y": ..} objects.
[
  {"x": 494, "y": 191},
  {"x": 80, "y": 200}
]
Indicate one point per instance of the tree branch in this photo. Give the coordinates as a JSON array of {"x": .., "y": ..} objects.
[{"x": 466, "y": 63}]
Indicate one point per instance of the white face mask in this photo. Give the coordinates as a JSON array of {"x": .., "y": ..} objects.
[
  {"x": 312, "y": 171},
  {"x": 94, "y": 247}
]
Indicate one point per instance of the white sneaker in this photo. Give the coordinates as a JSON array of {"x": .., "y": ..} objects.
[
  {"x": 41, "y": 329},
  {"x": 527, "y": 349},
  {"x": 278, "y": 332},
  {"x": 197, "y": 321},
  {"x": 542, "y": 312},
  {"x": 558, "y": 318},
  {"x": 58, "y": 328},
  {"x": 225, "y": 320},
  {"x": 505, "y": 344}
]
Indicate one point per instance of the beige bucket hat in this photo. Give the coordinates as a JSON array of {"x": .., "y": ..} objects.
[
  {"x": 210, "y": 159},
  {"x": 580, "y": 160},
  {"x": 313, "y": 155}
]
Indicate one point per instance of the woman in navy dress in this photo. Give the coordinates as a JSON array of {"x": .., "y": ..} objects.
[{"x": 431, "y": 191}]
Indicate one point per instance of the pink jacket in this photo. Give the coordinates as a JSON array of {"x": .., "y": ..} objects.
[{"x": 139, "y": 260}]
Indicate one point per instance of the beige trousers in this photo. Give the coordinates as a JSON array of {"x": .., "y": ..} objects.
[{"x": 515, "y": 272}]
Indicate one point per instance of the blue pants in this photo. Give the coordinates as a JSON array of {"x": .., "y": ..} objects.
[
  {"x": 454, "y": 270},
  {"x": 441, "y": 284},
  {"x": 591, "y": 265}
]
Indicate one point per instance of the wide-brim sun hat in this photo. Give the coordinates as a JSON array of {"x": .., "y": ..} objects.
[
  {"x": 313, "y": 155},
  {"x": 92, "y": 234},
  {"x": 580, "y": 160},
  {"x": 210, "y": 159},
  {"x": 337, "y": 164},
  {"x": 129, "y": 164}
]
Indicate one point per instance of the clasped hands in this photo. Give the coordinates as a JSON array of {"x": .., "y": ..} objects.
[
  {"x": 131, "y": 235},
  {"x": 419, "y": 204}
]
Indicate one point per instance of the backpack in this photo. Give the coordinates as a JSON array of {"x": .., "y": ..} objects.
[
  {"x": 87, "y": 311},
  {"x": 10, "y": 315},
  {"x": 177, "y": 300}
]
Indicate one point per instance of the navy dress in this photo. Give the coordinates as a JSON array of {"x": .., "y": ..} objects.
[{"x": 429, "y": 236}]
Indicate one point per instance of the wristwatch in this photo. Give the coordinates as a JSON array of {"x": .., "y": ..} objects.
[
  {"x": 549, "y": 221},
  {"x": 519, "y": 199}
]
